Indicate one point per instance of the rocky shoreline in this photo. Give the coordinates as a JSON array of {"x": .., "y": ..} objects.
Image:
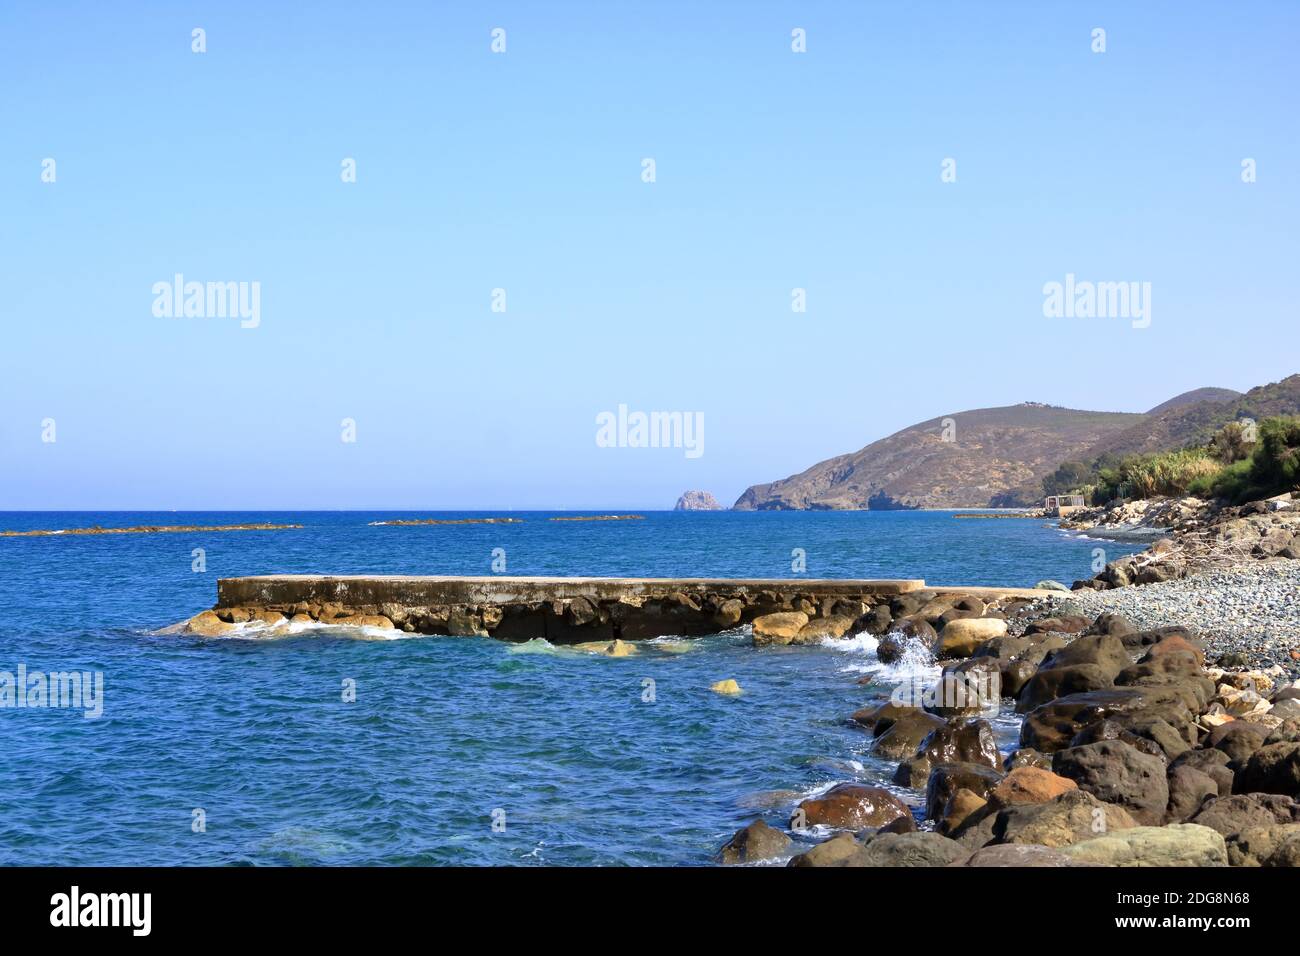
[
  {"x": 1133, "y": 751},
  {"x": 1192, "y": 536},
  {"x": 1232, "y": 573}
]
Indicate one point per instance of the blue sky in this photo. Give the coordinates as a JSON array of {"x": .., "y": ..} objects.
[{"x": 522, "y": 171}]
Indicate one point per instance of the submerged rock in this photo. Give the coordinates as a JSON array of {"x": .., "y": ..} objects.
[
  {"x": 758, "y": 841},
  {"x": 852, "y": 805}
]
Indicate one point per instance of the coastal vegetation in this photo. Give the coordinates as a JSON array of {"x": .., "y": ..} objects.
[{"x": 1240, "y": 462}]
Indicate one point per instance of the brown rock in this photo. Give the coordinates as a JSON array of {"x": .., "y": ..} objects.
[
  {"x": 207, "y": 624},
  {"x": 1030, "y": 785},
  {"x": 853, "y": 806},
  {"x": 758, "y": 841},
  {"x": 1117, "y": 773},
  {"x": 1074, "y": 816},
  {"x": 960, "y": 806},
  {"x": 960, "y": 638},
  {"x": 779, "y": 628},
  {"x": 906, "y": 734}
]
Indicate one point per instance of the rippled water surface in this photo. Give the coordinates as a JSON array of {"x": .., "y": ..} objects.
[{"x": 444, "y": 731}]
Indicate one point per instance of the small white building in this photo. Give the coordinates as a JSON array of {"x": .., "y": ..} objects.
[{"x": 1059, "y": 505}]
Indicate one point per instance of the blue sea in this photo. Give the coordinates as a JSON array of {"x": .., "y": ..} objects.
[{"x": 456, "y": 750}]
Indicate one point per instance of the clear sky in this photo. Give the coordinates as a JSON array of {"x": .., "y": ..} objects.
[{"x": 522, "y": 171}]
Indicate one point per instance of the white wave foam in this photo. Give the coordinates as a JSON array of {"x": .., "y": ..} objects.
[
  {"x": 261, "y": 631},
  {"x": 863, "y": 643}
]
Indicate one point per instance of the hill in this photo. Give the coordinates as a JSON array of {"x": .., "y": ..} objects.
[
  {"x": 1194, "y": 396},
  {"x": 995, "y": 456},
  {"x": 1185, "y": 425}
]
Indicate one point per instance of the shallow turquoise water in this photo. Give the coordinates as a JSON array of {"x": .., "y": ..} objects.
[{"x": 443, "y": 731}]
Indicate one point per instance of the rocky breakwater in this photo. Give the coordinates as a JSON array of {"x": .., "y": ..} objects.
[
  {"x": 1131, "y": 752},
  {"x": 565, "y": 610}
]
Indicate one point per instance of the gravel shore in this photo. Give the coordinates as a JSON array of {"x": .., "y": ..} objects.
[{"x": 1252, "y": 608}]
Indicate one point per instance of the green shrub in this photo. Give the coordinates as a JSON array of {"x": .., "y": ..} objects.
[
  {"x": 1143, "y": 476},
  {"x": 1272, "y": 468},
  {"x": 1231, "y": 443}
]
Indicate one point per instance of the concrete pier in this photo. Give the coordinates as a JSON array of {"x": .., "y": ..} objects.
[{"x": 574, "y": 610}]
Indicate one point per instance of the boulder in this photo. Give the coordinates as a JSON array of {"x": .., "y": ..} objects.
[
  {"x": 1286, "y": 732},
  {"x": 852, "y": 806},
  {"x": 1175, "y": 644},
  {"x": 1073, "y": 816},
  {"x": 1052, "y": 726},
  {"x": 894, "y": 646},
  {"x": 1212, "y": 763},
  {"x": 1135, "y": 640},
  {"x": 1150, "y": 735},
  {"x": 909, "y": 849},
  {"x": 1240, "y": 812},
  {"x": 934, "y": 609},
  {"x": 947, "y": 778},
  {"x": 1287, "y": 709},
  {"x": 875, "y": 621},
  {"x": 1274, "y": 768},
  {"x": 881, "y": 716},
  {"x": 1019, "y": 854},
  {"x": 960, "y": 638},
  {"x": 961, "y": 805},
  {"x": 1179, "y": 844},
  {"x": 1189, "y": 789},
  {"x": 918, "y": 629},
  {"x": 758, "y": 841},
  {"x": 1026, "y": 757},
  {"x": 1028, "y": 784},
  {"x": 909, "y": 602},
  {"x": 1068, "y": 624},
  {"x": 1239, "y": 739},
  {"x": 1003, "y": 648},
  {"x": 729, "y": 613},
  {"x": 823, "y": 628},
  {"x": 1111, "y": 622},
  {"x": 728, "y": 687},
  {"x": 1104, "y": 651},
  {"x": 1169, "y": 670},
  {"x": 968, "y": 689},
  {"x": 1277, "y": 845},
  {"x": 1117, "y": 773},
  {"x": 968, "y": 740},
  {"x": 1049, "y": 683},
  {"x": 837, "y": 851},
  {"x": 906, "y": 733},
  {"x": 207, "y": 624},
  {"x": 779, "y": 628}
]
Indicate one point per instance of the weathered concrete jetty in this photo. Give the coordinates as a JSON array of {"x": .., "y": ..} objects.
[{"x": 578, "y": 610}]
